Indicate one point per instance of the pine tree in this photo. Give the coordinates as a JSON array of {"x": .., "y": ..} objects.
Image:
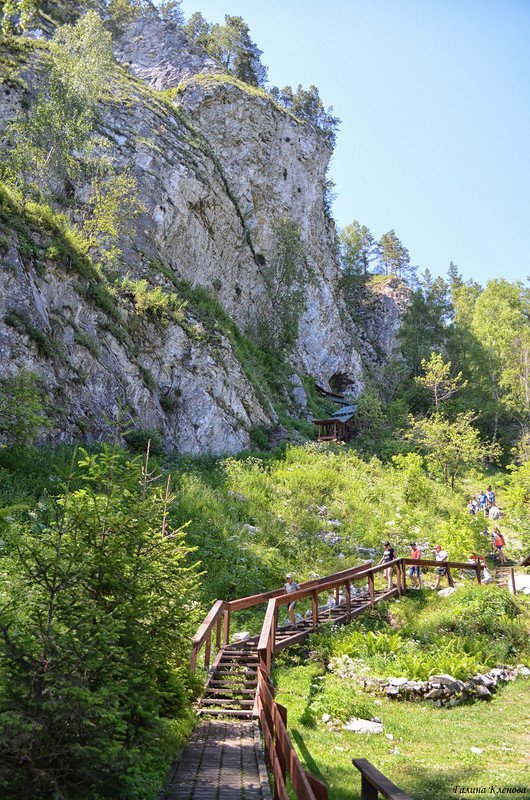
[{"x": 358, "y": 249}]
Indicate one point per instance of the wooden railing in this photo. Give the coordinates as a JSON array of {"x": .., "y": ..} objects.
[
  {"x": 204, "y": 634},
  {"x": 280, "y": 754},
  {"x": 374, "y": 783}
]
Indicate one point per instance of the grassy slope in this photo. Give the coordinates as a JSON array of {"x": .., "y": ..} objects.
[{"x": 434, "y": 744}]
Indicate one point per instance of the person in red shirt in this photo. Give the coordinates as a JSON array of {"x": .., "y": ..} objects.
[{"x": 414, "y": 570}]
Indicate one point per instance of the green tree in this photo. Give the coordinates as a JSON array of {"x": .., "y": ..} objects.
[
  {"x": 55, "y": 138},
  {"x": 306, "y": 104},
  {"x": 358, "y": 249},
  {"x": 16, "y": 14},
  {"x": 171, "y": 11},
  {"x": 231, "y": 45},
  {"x": 501, "y": 322},
  {"x": 285, "y": 276},
  {"x": 438, "y": 380},
  {"x": 97, "y": 610},
  {"x": 450, "y": 448},
  {"x": 22, "y": 414},
  {"x": 394, "y": 257}
]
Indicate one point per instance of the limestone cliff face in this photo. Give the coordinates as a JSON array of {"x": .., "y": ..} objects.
[{"x": 215, "y": 171}]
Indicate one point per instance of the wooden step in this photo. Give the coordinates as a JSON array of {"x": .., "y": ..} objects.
[
  {"x": 233, "y": 691},
  {"x": 214, "y": 701},
  {"x": 225, "y": 712},
  {"x": 226, "y": 683}
]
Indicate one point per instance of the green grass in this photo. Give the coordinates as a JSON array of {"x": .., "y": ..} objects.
[{"x": 434, "y": 744}]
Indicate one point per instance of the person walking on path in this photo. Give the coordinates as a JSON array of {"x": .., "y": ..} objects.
[
  {"x": 414, "y": 570},
  {"x": 483, "y": 500},
  {"x": 388, "y": 555},
  {"x": 494, "y": 512},
  {"x": 441, "y": 557},
  {"x": 499, "y": 543},
  {"x": 290, "y": 587}
]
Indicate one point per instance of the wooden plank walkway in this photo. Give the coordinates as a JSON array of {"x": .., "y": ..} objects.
[{"x": 222, "y": 761}]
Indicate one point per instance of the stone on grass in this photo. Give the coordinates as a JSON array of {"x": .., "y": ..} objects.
[
  {"x": 482, "y": 691},
  {"x": 241, "y": 636},
  {"x": 363, "y": 726},
  {"x": 433, "y": 694},
  {"x": 392, "y": 691},
  {"x": 397, "y": 681},
  {"x": 477, "y": 750},
  {"x": 447, "y": 592},
  {"x": 326, "y": 717}
]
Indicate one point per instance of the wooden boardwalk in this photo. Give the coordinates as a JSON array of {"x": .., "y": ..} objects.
[
  {"x": 225, "y": 759},
  {"x": 222, "y": 761}
]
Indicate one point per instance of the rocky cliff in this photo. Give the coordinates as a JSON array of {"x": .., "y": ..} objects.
[{"x": 217, "y": 163}]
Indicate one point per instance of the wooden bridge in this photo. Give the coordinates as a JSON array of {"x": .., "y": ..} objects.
[{"x": 225, "y": 759}]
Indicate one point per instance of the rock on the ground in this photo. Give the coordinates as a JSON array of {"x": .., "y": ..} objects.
[{"x": 363, "y": 726}]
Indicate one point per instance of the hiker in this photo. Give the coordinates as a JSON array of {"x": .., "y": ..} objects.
[
  {"x": 499, "y": 543},
  {"x": 474, "y": 558},
  {"x": 290, "y": 587},
  {"x": 471, "y": 507},
  {"x": 440, "y": 556},
  {"x": 388, "y": 555},
  {"x": 490, "y": 495},
  {"x": 494, "y": 512},
  {"x": 483, "y": 502},
  {"x": 414, "y": 570}
]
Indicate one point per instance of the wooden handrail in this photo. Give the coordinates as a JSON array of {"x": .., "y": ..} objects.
[
  {"x": 331, "y": 582},
  {"x": 281, "y": 755},
  {"x": 266, "y": 639},
  {"x": 256, "y": 599},
  {"x": 430, "y": 562},
  {"x": 204, "y": 634},
  {"x": 374, "y": 783}
]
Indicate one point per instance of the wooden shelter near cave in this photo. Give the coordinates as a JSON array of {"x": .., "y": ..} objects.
[{"x": 338, "y": 427}]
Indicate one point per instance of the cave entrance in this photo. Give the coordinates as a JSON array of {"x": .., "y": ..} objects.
[{"x": 341, "y": 383}]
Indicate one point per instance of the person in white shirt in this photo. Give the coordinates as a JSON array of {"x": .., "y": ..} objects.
[
  {"x": 440, "y": 556},
  {"x": 290, "y": 587}
]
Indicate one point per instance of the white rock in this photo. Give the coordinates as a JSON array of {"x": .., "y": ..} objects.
[
  {"x": 363, "y": 726},
  {"x": 326, "y": 717},
  {"x": 477, "y": 750},
  {"x": 397, "y": 681},
  {"x": 447, "y": 592},
  {"x": 241, "y": 636}
]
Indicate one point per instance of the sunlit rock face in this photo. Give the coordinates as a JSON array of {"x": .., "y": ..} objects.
[{"x": 216, "y": 167}]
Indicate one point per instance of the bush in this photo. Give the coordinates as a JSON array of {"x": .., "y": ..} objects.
[
  {"x": 138, "y": 441},
  {"x": 21, "y": 408}
]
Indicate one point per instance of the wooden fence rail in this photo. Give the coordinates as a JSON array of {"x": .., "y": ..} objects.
[
  {"x": 279, "y": 751},
  {"x": 374, "y": 783}
]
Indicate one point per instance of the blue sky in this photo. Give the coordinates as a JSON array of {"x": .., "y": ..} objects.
[{"x": 434, "y": 98}]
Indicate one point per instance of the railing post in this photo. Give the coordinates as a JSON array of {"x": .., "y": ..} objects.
[
  {"x": 337, "y": 595},
  {"x": 511, "y": 582},
  {"x": 478, "y": 569},
  {"x": 314, "y": 598},
  {"x": 218, "y": 632},
  {"x": 348, "y": 599},
  {"x": 450, "y": 581},
  {"x": 226, "y": 626},
  {"x": 368, "y": 792},
  {"x": 404, "y": 575},
  {"x": 371, "y": 589},
  {"x": 282, "y": 756},
  {"x": 207, "y": 650},
  {"x": 397, "y": 567},
  {"x": 193, "y": 659}
]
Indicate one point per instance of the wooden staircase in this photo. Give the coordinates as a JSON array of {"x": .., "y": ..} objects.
[{"x": 231, "y": 686}]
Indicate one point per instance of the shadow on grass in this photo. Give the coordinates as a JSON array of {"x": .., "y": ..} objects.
[{"x": 439, "y": 783}]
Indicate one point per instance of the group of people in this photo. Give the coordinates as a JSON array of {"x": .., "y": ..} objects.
[
  {"x": 440, "y": 556},
  {"x": 485, "y": 503}
]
